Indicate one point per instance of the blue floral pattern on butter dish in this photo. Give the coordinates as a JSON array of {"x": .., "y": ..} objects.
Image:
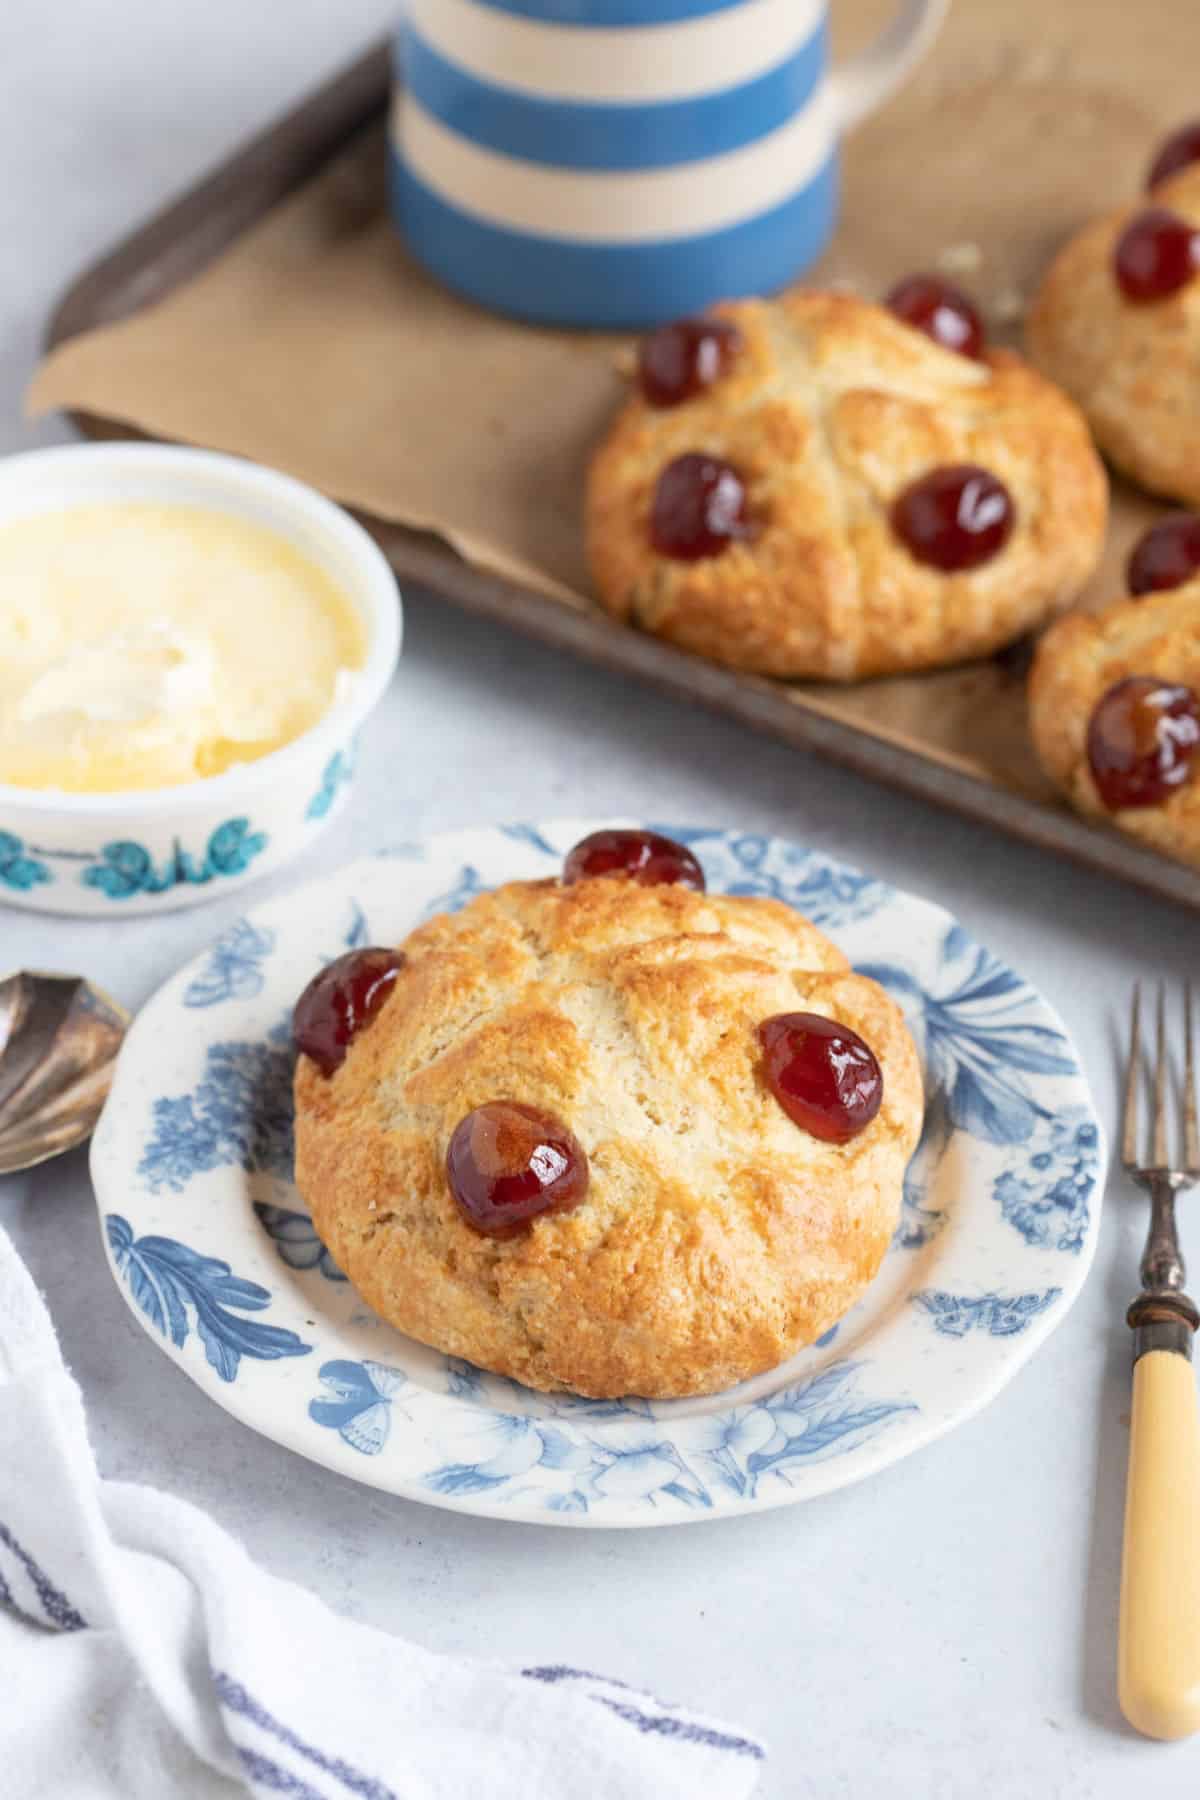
[
  {"x": 234, "y": 970},
  {"x": 357, "y": 1402},
  {"x": 979, "y": 1050},
  {"x": 174, "y": 1286},
  {"x": 828, "y": 893},
  {"x": 956, "y": 1315},
  {"x": 772, "y": 1439},
  {"x": 295, "y": 1237},
  {"x": 126, "y": 868},
  {"x": 1045, "y": 1193},
  {"x": 337, "y": 773},
  {"x": 18, "y": 869},
  {"x": 241, "y": 1112}
]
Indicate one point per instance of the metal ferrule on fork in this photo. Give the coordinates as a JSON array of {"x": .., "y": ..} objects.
[{"x": 1162, "y": 1317}]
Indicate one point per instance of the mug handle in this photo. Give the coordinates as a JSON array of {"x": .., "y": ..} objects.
[{"x": 858, "y": 86}]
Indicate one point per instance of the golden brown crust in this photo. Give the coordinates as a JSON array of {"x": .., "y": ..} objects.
[
  {"x": 832, "y": 407},
  {"x": 717, "y": 1237},
  {"x": 1080, "y": 658},
  {"x": 1134, "y": 368}
]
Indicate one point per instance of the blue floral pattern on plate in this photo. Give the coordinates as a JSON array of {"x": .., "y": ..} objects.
[
  {"x": 194, "y": 1160},
  {"x": 234, "y": 970},
  {"x": 167, "y": 1281},
  {"x": 955, "y": 1315},
  {"x": 357, "y": 1402},
  {"x": 295, "y": 1237}
]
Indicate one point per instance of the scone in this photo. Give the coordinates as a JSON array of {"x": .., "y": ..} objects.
[
  {"x": 1114, "y": 709},
  {"x": 1131, "y": 359},
  {"x": 874, "y": 501},
  {"x": 691, "y": 1232}
]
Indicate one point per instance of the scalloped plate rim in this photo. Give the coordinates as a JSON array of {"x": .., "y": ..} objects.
[{"x": 247, "y": 1401}]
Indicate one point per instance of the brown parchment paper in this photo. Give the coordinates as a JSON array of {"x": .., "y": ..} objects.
[{"x": 316, "y": 345}]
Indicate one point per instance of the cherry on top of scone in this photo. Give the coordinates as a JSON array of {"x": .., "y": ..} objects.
[
  {"x": 508, "y": 1163},
  {"x": 824, "y": 1076},
  {"x": 678, "y": 361},
  {"x": 955, "y": 517},
  {"x": 339, "y": 1001},
  {"x": 1175, "y": 153},
  {"x": 642, "y": 856},
  {"x": 939, "y": 309},
  {"x": 699, "y": 507},
  {"x": 1141, "y": 741},
  {"x": 1157, "y": 254},
  {"x": 1165, "y": 556}
]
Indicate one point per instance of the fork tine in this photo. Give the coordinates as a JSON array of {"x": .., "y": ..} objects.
[
  {"x": 1191, "y": 1136},
  {"x": 1159, "y": 1158},
  {"x": 1129, "y": 1146}
]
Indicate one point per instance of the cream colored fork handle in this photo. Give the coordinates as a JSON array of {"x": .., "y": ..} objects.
[{"x": 1159, "y": 1658}]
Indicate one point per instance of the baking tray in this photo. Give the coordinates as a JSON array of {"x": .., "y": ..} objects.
[{"x": 195, "y": 229}]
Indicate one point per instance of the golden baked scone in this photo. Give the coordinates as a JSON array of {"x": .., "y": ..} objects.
[
  {"x": 716, "y": 1238},
  {"x": 1132, "y": 366},
  {"x": 1081, "y": 659},
  {"x": 830, "y": 409}
]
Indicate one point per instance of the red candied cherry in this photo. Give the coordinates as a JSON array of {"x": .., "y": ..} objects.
[
  {"x": 1156, "y": 254},
  {"x": 339, "y": 1001},
  {"x": 822, "y": 1074},
  {"x": 955, "y": 517},
  {"x": 679, "y": 361},
  {"x": 939, "y": 309},
  {"x": 508, "y": 1163},
  {"x": 1175, "y": 153},
  {"x": 1167, "y": 555},
  {"x": 643, "y": 856},
  {"x": 1141, "y": 741},
  {"x": 699, "y": 507}
]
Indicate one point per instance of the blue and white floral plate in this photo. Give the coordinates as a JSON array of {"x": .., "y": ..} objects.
[{"x": 214, "y": 1253}]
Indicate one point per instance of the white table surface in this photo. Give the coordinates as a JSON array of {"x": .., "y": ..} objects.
[{"x": 945, "y": 1629}]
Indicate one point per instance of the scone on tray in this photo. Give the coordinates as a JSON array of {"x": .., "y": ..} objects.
[
  {"x": 809, "y": 486},
  {"x": 1114, "y": 699},
  {"x": 1116, "y": 323},
  {"x": 609, "y": 1133}
]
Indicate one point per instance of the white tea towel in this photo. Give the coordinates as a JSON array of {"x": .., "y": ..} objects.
[{"x": 144, "y": 1656}]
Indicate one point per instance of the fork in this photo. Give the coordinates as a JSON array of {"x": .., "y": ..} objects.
[{"x": 1159, "y": 1638}]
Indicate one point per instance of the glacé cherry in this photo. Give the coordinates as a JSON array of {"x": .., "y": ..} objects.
[
  {"x": 507, "y": 1163},
  {"x": 679, "y": 361},
  {"x": 1167, "y": 555},
  {"x": 939, "y": 309},
  {"x": 699, "y": 507},
  {"x": 1141, "y": 741},
  {"x": 1175, "y": 153},
  {"x": 339, "y": 1001},
  {"x": 822, "y": 1074},
  {"x": 641, "y": 856},
  {"x": 1155, "y": 255},
  {"x": 956, "y": 517}
]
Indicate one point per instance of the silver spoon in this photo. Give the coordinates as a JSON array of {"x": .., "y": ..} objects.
[{"x": 59, "y": 1038}]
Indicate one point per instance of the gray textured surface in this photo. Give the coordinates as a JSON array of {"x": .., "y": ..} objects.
[{"x": 947, "y": 1629}]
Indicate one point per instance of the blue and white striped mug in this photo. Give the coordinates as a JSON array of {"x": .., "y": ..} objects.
[{"x": 622, "y": 162}]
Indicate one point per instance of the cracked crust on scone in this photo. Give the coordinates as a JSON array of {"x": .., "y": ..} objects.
[
  {"x": 716, "y": 1238},
  {"x": 831, "y": 408},
  {"x": 1134, "y": 368},
  {"x": 1077, "y": 661}
]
